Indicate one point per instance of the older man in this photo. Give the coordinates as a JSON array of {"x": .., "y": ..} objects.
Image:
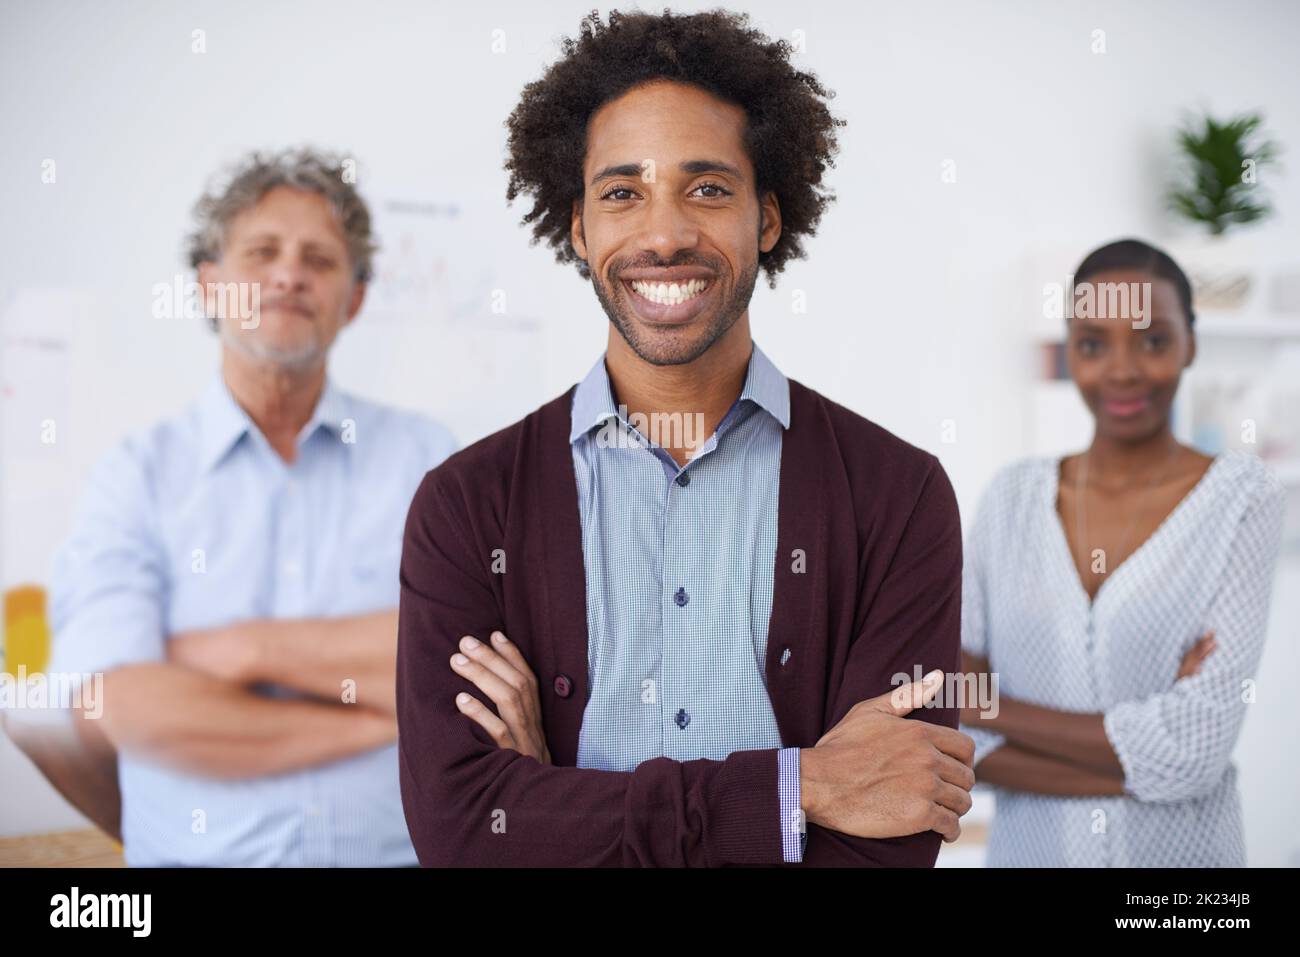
[{"x": 233, "y": 572}]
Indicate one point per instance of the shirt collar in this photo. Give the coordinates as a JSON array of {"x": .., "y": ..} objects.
[
  {"x": 223, "y": 422},
  {"x": 765, "y": 386}
]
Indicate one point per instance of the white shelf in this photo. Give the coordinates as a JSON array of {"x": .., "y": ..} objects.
[{"x": 1248, "y": 326}]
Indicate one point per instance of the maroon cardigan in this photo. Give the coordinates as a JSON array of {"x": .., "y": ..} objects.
[{"x": 868, "y": 585}]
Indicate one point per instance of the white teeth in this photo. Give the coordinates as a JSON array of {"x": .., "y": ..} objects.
[{"x": 670, "y": 293}]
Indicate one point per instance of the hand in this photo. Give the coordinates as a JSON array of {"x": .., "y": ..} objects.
[
  {"x": 500, "y": 671},
  {"x": 877, "y": 774},
  {"x": 230, "y": 652},
  {"x": 1191, "y": 663}
]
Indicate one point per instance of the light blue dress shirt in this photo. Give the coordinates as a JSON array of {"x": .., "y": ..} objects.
[
  {"x": 197, "y": 523},
  {"x": 680, "y": 564}
]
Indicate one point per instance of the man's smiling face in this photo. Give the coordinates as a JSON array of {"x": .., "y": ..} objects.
[{"x": 670, "y": 222}]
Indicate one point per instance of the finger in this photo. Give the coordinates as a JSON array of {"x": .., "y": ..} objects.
[
  {"x": 472, "y": 708},
  {"x": 946, "y": 822},
  {"x": 956, "y": 772},
  {"x": 503, "y": 695},
  {"x": 906, "y": 698},
  {"x": 491, "y": 660},
  {"x": 510, "y": 651},
  {"x": 956, "y": 744},
  {"x": 955, "y": 799}
]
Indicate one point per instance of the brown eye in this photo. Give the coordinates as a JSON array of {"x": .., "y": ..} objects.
[{"x": 719, "y": 190}]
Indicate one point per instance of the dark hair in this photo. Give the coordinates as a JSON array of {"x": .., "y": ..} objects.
[
  {"x": 1143, "y": 257},
  {"x": 789, "y": 135}
]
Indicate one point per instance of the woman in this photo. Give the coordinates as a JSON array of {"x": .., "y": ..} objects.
[{"x": 1120, "y": 597}]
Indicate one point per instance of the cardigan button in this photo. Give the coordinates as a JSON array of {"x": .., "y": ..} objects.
[{"x": 563, "y": 686}]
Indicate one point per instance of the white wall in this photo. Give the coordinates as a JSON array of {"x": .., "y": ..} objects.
[{"x": 917, "y": 291}]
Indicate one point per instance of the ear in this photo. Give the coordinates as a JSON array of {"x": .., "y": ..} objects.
[
  {"x": 1191, "y": 349},
  {"x": 577, "y": 235},
  {"x": 769, "y": 232}
]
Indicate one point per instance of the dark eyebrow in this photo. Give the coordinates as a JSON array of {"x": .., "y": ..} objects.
[
  {"x": 609, "y": 172},
  {"x": 694, "y": 167},
  {"x": 710, "y": 166}
]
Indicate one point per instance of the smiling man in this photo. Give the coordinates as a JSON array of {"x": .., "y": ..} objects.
[
  {"x": 691, "y": 647},
  {"x": 232, "y": 571}
]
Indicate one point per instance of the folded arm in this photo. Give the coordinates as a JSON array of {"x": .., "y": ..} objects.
[
  {"x": 1019, "y": 769},
  {"x": 1068, "y": 737},
  {"x": 206, "y": 726},
  {"x": 468, "y": 801},
  {"x": 349, "y": 659}
]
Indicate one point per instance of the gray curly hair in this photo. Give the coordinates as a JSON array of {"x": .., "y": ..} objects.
[{"x": 329, "y": 174}]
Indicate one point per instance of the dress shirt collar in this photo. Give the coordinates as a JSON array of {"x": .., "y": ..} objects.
[
  {"x": 765, "y": 386},
  {"x": 223, "y": 422}
]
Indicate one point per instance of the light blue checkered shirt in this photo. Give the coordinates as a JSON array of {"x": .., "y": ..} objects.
[{"x": 679, "y": 565}]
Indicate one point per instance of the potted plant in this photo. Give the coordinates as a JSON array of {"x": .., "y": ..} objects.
[{"x": 1219, "y": 190}]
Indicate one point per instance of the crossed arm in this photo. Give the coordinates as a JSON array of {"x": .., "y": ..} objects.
[
  {"x": 1048, "y": 751},
  {"x": 199, "y": 711},
  {"x": 472, "y": 798}
]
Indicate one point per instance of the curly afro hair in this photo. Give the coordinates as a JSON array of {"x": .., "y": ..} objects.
[{"x": 790, "y": 134}]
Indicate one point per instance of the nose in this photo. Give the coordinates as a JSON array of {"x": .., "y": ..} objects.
[
  {"x": 288, "y": 274},
  {"x": 667, "y": 227},
  {"x": 1123, "y": 364}
]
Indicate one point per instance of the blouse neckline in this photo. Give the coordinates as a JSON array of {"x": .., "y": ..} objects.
[{"x": 1063, "y": 542}]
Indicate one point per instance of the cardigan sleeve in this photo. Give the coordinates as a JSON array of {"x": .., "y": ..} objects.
[
  {"x": 468, "y": 802},
  {"x": 911, "y": 625},
  {"x": 974, "y": 614},
  {"x": 1175, "y": 745}
]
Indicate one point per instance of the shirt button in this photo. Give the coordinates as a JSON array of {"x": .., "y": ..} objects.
[
  {"x": 785, "y": 655},
  {"x": 291, "y": 568},
  {"x": 683, "y": 719},
  {"x": 563, "y": 686},
  {"x": 684, "y": 479},
  {"x": 681, "y": 598}
]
